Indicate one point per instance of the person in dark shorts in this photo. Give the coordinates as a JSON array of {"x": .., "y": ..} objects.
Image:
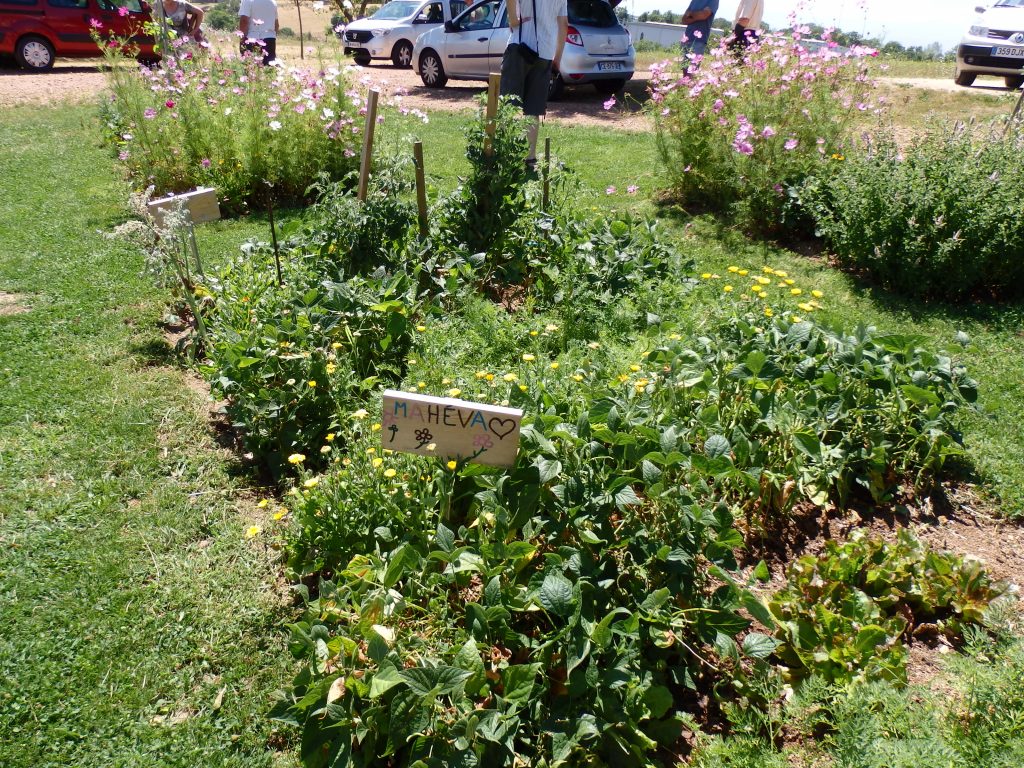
[{"x": 534, "y": 50}]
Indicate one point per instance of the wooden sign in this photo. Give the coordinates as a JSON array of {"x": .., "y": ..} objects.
[
  {"x": 201, "y": 204},
  {"x": 450, "y": 428}
]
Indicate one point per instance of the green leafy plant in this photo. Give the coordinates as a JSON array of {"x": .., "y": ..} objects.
[
  {"x": 844, "y": 615},
  {"x": 936, "y": 219}
]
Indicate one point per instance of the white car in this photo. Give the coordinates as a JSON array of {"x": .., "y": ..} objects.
[
  {"x": 598, "y": 49},
  {"x": 392, "y": 31},
  {"x": 994, "y": 45}
]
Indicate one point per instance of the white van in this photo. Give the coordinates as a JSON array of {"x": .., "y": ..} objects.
[
  {"x": 392, "y": 31},
  {"x": 994, "y": 45}
]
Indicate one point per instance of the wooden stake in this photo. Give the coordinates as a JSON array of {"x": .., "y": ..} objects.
[
  {"x": 493, "y": 87},
  {"x": 547, "y": 173},
  {"x": 368, "y": 128},
  {"x": 421, "y": 187}
]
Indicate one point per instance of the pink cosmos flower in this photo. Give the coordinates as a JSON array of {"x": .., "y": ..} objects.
[
  {"x": 767, "y": 132},
  {"x": 610, "y": 103},
  {"x": 169, "y": 104},
  {"x": 149, "y": 114},
  {"x": 610, "y": 191},
  {"x": 632, "y": 189},
  {"x": 122, "y": 11},
  {"x": 95, "y": 24},
  {"x": 206, "y": 162},
  {"x": 790, "y": 144}
]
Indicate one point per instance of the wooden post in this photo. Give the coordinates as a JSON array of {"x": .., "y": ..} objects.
[
  {"x": 421, "y": 187},
  {"x": 547, "y": 173},
  {"x": 493, "y": 87},
  {"x": 368, "y": 128}
]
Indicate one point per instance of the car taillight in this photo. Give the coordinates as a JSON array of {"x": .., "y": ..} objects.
[{"x": 573, "y": 36}]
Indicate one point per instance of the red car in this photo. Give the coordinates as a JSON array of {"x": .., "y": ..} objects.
[{"x": 36, "y": 32}]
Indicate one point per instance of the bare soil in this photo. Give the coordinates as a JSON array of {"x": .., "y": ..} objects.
[{"x": 12, "y": 304}]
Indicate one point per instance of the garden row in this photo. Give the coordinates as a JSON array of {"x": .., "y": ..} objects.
[{"x": 577, "y": 607}]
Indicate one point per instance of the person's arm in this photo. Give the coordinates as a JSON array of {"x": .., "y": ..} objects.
[
  {"x": 513, "y": 14},
  {"x": 563, "y": 29},
  {"x": 691, "y": 16},
  {"x": 243, "y": 26},
  {"x": 197, "y": 15}
]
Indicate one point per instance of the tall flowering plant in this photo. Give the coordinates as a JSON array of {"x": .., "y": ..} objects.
[
  {"x": 743, "y": 131},
  {"x": 202, "y": 118}
]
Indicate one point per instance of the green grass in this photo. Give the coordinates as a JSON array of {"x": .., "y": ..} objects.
[{"x": 128, "y": 598}]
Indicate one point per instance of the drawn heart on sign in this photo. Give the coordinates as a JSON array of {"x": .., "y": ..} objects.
[{"x": 502, "y": 428}]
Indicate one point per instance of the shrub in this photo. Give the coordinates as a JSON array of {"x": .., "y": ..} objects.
[
  {"x": 938, "y": 219},
  {"x": 223, "y": 16},
  {"x": 232, "y": 124},
  {"x": 740, "y": 134}
]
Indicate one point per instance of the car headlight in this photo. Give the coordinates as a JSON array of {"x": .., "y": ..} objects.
[
  {"x": 978, "y": 31},
  {"x": 380, "y": 32}
]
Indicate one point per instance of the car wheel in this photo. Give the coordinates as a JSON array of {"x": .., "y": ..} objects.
[
  {"x": 34, "y": 52},
  {"x": 965, "y": 78},
  {"x": 556, "y": 88},
  {"x": 401, "y": 54},
  {"x": 362, "y": 61},
  {"x": 431, "y": 70},
  {"x": 1013, "y": 82},
  {"x": 608, "y": 87}
]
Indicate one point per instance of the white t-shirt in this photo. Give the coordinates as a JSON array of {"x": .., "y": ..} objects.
[
  {"x": 750, "y": 9},
  {"x": 262, "y": 18},
  {"x": 542, "y": 36}
]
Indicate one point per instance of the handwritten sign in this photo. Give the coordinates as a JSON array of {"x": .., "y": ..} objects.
[{"x": 450, "y": 428}]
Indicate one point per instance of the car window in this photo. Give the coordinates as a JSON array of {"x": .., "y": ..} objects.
[
  {"x": 68, "y": 3},
  {"x": 592, "y": 13},
  {"x": 432, "y": 14},
  {"x": 480, "y": 17},
  {"x": 19, "y": 2},
  {"x": 457, "y": 7}
]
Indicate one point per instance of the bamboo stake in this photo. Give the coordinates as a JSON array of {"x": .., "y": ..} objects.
[
  {"x": 368, "y": 128},
  {"x": 421, "y": 187},
  {"x": 547, "y": 173},
  {"x": 493, "y": 87}
]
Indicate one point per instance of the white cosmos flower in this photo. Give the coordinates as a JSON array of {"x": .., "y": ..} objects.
[{"x": 275, "y": 125}]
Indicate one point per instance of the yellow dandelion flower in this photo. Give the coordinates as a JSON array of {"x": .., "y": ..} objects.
[
  {"x": 727, "y": 288},
  {"x": 312, "y": 383},
  {"x": 325, "y": 449},
  {"x": 262, "y": 503},
  {"x": 734, "y": 269},
  {"x": 535, "y": 333},
  {"x": 346, "y": 461},
  {"x": 768, "y": 270},
  {"x": 675, "y": 337},
  {"x": 489, "y": 377},
  {"x": 454, "y": 392},
  {"x": 331, "y": 368},
  {"x": 577, "y": 377},
  {"x": 795, "y": 291},
  {"x": 510, "y": 377},
  {"x": 780, "y": 273},
  {"x": 790, "y": 281},
  {"x": 362, "y": 413},
  {"x": 421, "y": 384},
  {"x": 452, "y": 465},
  {"x": 594, "y": 345},
  {"x": 756, "y": 288},
  {"x": 253, "y": 531},
  {"x": 768, "y": 312},
  {"x": 706, "y": 276},
  {"x": 528, "y": 358},
  {"x": 803, "y": 305},
  {"x": 446, "y": 381},
  {"x": 412, "y": 362},
  {"x": 312, "y": 482},
  {"x": 634, "y": 367},
  {"x": 370, "y": 451},
  {"x": 743, "y": 272},
  {"x": 421, "y": 328},
  {"x": 389, "y": 473},
  {"x": 554, "y": 366},
  {"x": 377, "y": 462},
  {"x": 764, "y": 280},
  {"x": 550, "y": 327},
  {"x": 336, "y": 345},
  {"x": 375, "y": 428},
  {"x": 522, "y": 387},
  {"x": 281, "y": 514},
  {"x": 795, "y": 318},
  {"x": 330, "y": 437},
  {"x": 480, "y": 374},
  {"x": 623, "y": 378},
  {"x": 296, "y": 458},
  {"x": 817, "y": 294}
]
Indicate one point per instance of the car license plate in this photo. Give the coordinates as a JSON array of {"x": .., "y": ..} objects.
[
  {"x": 610, "y": 66},
  {"x": 1005, "y": 50}
]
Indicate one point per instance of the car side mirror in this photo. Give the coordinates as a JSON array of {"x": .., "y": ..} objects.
[
  {"x": 451, "y": 26},
  {"x": 980, "y": 9}
]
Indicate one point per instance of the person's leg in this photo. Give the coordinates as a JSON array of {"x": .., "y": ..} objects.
[
  {"x": 269, "y": 50},
  {"x": 535, "y": 101}
]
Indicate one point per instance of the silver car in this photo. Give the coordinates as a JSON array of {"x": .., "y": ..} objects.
[
  {"x": 994, "y": 45},
  {"x": 598, "y": 49}
]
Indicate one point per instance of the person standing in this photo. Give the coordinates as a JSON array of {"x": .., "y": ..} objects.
[
  {"x": 258, "y": 24},
  {"x": 534, "y": 50},
  {"x": 747, "y": 23},
  {"x": 697, "y": 18}
]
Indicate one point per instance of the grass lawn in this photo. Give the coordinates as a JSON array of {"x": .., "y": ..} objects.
[{"x": 129, "y": 600}]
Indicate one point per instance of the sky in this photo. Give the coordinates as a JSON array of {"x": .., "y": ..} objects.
[{"x": 911, "y": 22}]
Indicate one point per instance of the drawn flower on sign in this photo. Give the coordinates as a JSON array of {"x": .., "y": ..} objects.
[
  {"x": 483, "y": 441},
  {"x": 423, "y": 436}
]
